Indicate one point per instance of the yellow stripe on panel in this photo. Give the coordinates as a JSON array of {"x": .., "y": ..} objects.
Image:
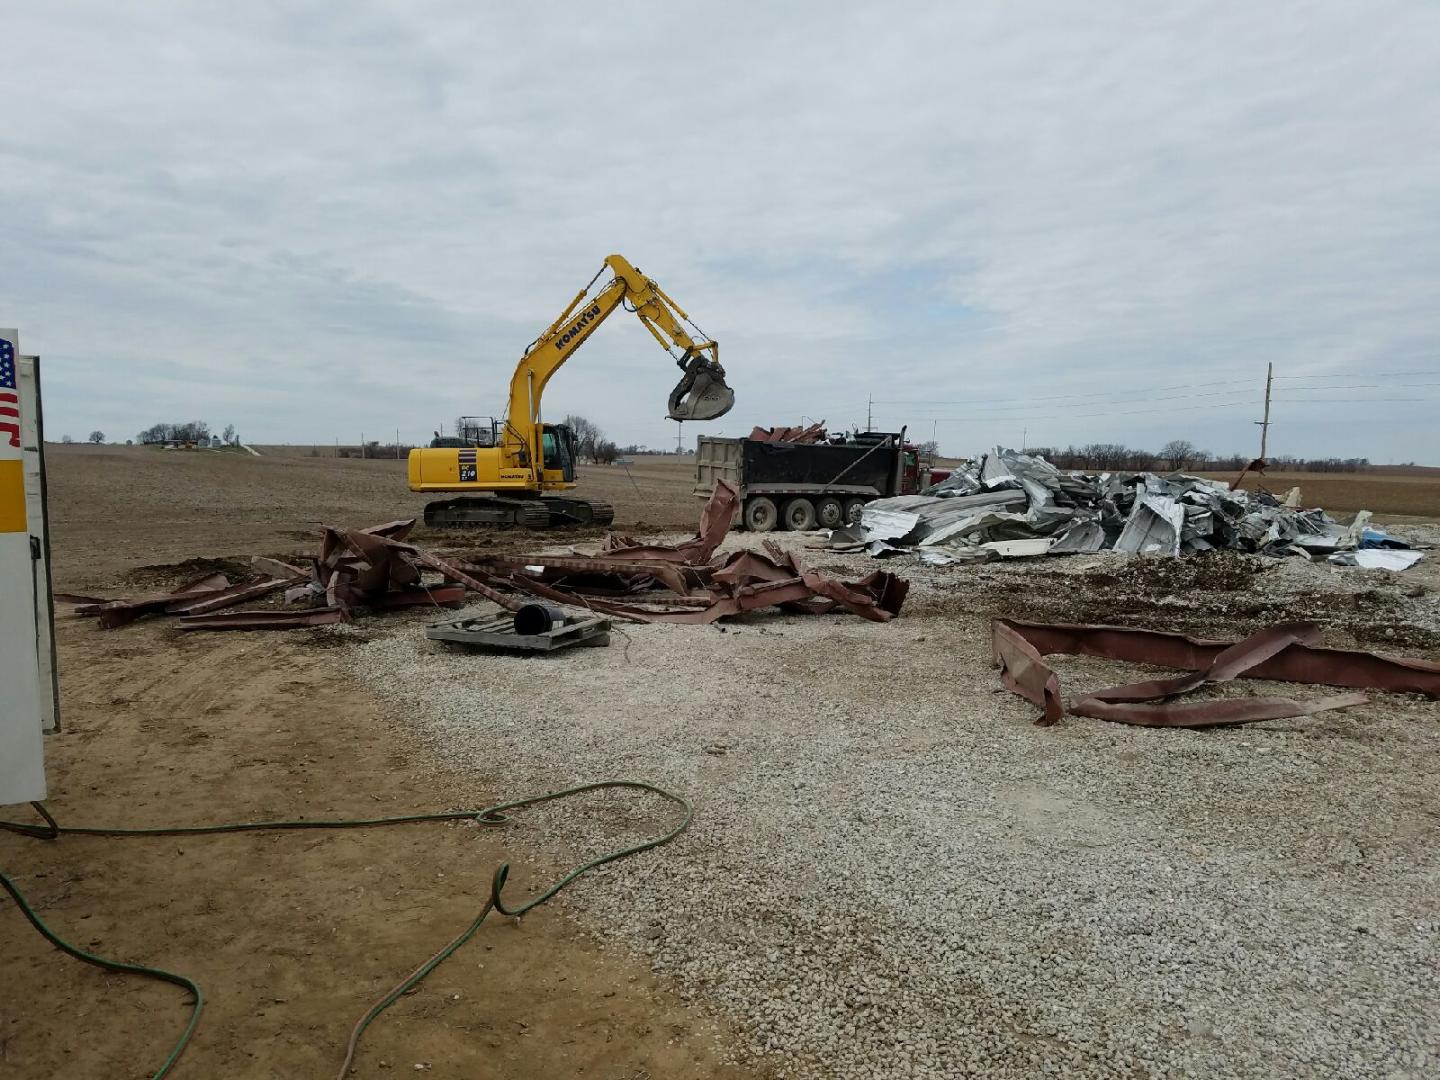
[{"x": 12, "y": 497}]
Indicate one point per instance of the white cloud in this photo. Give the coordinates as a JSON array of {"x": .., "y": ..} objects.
[{"x": 310, "y": 223}]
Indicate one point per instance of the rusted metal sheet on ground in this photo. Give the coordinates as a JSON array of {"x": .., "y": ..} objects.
[
  {"x": 877, "y": 597},
  {"x": 715, "y": 522},
  {"x": 266, "y": 619},
  {"x": 1282, "y": 653},
  {"x": 431, "y": 596},
  {"x": 677, "y": 579},
  {"x": 236, "y": 594},
  {"x": 276, "y": 568},
  {"x": 116, "y": 613}
]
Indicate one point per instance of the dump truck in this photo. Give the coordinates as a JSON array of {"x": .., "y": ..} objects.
[{"x": 812, "y": 485}]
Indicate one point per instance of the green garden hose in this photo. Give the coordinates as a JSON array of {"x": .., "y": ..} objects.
[{"x": 490, "y": 816}]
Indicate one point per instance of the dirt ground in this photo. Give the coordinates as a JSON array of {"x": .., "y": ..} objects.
[
  {"x": 293, "y": 935},
  {"x": 119, "y": 508}
]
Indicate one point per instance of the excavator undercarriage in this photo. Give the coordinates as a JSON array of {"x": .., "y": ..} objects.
[{"x": 531, "y": 512}]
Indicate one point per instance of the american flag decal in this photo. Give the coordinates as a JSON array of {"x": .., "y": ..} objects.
[{"x": 9, "y": 397}]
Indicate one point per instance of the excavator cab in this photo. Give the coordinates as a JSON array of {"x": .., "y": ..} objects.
[
  {"x": 702, "y": 393},
  {"x": 557, "y": 443}
]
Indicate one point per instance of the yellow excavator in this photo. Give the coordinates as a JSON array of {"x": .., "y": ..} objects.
[{"x": 510, "y": 471}]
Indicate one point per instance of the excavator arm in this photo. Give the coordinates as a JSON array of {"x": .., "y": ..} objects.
[{"x": 702, "y": 393}]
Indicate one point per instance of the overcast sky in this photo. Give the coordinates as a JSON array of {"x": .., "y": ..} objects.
[{"x": 1088, "y": 222}]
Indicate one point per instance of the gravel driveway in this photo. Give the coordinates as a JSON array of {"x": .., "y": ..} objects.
[{"x": 892, "y": 873}]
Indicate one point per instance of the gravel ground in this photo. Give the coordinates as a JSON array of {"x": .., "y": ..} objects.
[{"x": 892, "y": 873}]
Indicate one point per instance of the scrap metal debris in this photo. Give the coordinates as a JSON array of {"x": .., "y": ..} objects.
[
  {"x": 686, "y": 583},
  {"x": 371, "y": 568},
  {"x": 815, "y": 433},
  {"x": 980, "y": 511},
  {"x": 378, "y": 570},
  {"x": 1283, "y": 652}
]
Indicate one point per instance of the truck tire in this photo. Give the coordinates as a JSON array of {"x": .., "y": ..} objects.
[
  {"x": 854, "y": 508},
  {"x": 760, "y": 514},
  {"x": 799, "y": 515},
  {"x": 829, "y": 512}
]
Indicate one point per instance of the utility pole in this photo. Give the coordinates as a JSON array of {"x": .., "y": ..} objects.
[
  {"x": 869, "y": 418},
  {"x": 1265, "y": 424},
  {"x": 1024, "y": 438},
  {"x": 679, "y": 436},
  {"x": 397, "y": 444}
]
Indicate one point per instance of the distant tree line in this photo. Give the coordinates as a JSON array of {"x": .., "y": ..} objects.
[
  {"x": 192, "y": 431},
  {"x": 1177, "y": 455},
  {"x": 590, "y": 442}
]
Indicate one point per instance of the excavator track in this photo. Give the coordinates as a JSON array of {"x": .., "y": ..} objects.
[
  {"x": 546, "y": 512},
  {"x": 570, "y": 510}
]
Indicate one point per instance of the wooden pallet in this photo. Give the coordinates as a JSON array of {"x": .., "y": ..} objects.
[{"x": 498, "y": 632}]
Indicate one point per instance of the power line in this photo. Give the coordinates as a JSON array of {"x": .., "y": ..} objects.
[
  {"x": 1352, "y": 400},
  {"x": 1248, "y": 404},
  {"x": 1075, "y": 397},
  {"x": 1372, "y": 374}
]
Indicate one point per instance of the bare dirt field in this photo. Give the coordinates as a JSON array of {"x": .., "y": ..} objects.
[{"x": 892, "y": 872}]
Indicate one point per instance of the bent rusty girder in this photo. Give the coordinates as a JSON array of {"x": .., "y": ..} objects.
[{"x": 1281, "y": 653}]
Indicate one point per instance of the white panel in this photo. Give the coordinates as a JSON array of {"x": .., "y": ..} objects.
[
  {"x": 22, "y": 763},
  {"x": 32, "y": 438}
]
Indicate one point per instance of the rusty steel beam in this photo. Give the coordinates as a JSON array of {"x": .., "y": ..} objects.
[
  {"x": 1281, "y": 653},
  {"x": 236, "y": 594},
  {"x": 276, "y": 568},
  {"x": 268, "y": 619},
  {"x": 434, "y": 595},
  {"x": 454, "y": 573}
]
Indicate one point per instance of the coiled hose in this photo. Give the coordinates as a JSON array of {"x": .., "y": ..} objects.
[{"x": 489, "y": 816}]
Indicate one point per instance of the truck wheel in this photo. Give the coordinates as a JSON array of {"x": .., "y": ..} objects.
[
  {"x": 829, "y": 512},
  {"x": 760, "y": 514},
  {"x": 854, "y": 509},
  {"x": 799, "y": 515}
]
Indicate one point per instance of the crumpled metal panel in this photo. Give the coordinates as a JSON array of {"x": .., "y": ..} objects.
[
  {"x": 715, "y": 521},
  {"x": 1154, "y": 526},
  {"x": 1284, "y": 652}
]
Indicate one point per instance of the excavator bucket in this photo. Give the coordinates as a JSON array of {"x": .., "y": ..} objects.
[{"x": 702, "y": 394}]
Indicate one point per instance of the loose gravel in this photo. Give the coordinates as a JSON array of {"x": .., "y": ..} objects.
[{"x": 892, "y": 873}]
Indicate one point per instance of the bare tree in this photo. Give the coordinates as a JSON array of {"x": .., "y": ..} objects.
[
  {"x": 66, "y": 439},
  {"x": 228, "y": 435},
  {"x": 97, "y": 437},
  {"x": 588, "y": 435},
  {"x": 1177, "y": 452}
]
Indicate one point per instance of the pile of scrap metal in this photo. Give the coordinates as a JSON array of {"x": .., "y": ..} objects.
[
  {"x": 1012, "y": 504},
  {"x": 815, "y": 433},
  {"x": 369, "y": 568},
  {"x": 684, "y": 583},
  {"x": 376, "y": 569},
  {"x": 1285, "y": 652}
]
